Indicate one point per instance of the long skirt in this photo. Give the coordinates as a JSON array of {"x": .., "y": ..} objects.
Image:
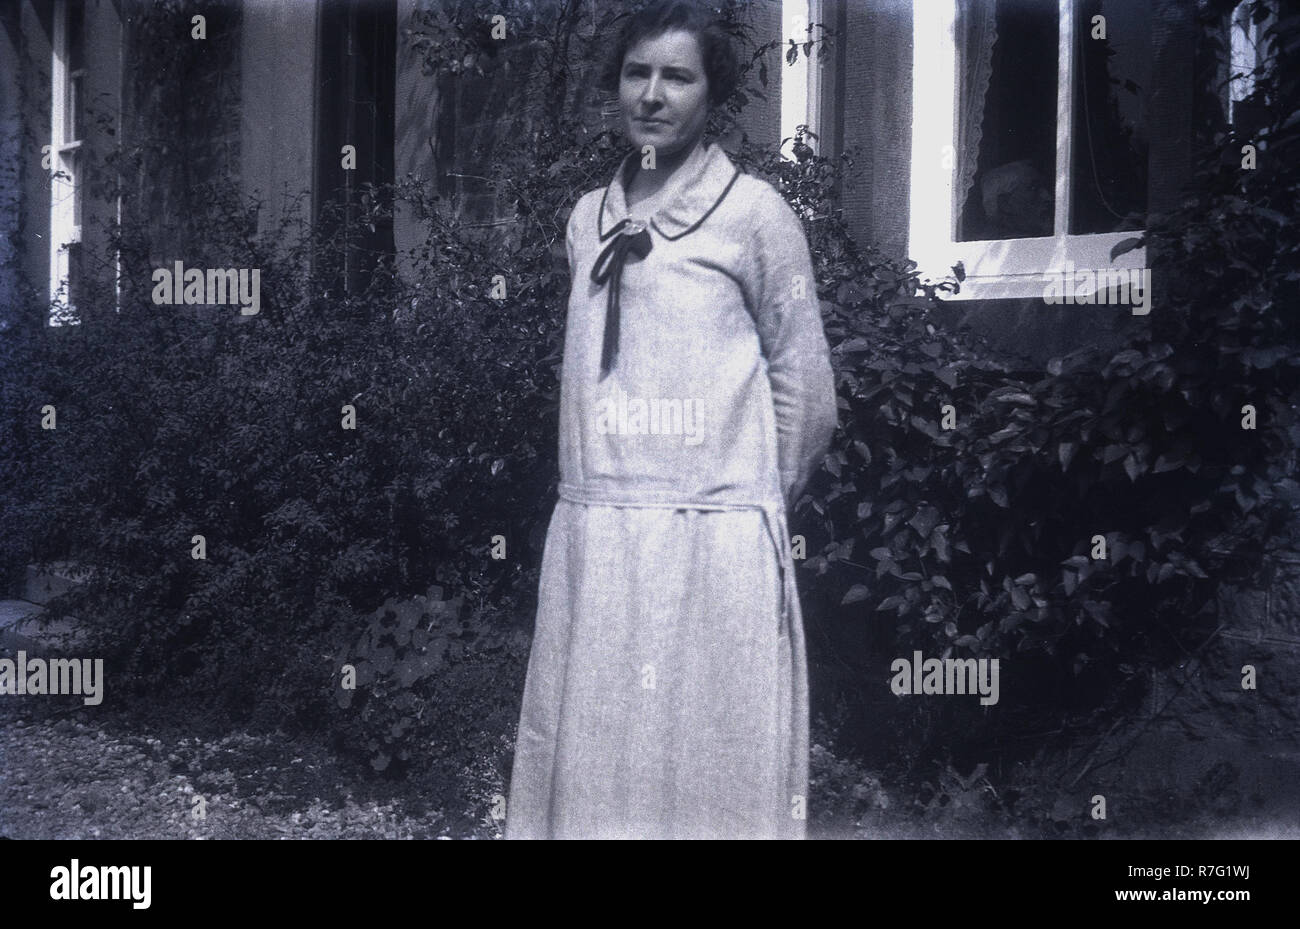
[{"x": 666, "y": 694}]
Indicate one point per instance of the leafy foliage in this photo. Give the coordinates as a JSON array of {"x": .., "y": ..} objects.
[
  {"x": 427, "y": 671},
  {"x": 976, "y": 536}
]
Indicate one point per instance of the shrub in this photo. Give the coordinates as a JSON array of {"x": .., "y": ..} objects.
[{"x": 979, "y": 539}]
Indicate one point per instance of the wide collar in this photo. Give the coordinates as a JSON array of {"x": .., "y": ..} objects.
[{"x": 704, "y": 181}]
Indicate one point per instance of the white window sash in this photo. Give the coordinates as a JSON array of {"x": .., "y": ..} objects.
[
  {"x": 998, "y": 268},
  {"x": 1245, "y": 38},
  {"x": 801, "y": 82},
  {"x": 64, "y": 230}
]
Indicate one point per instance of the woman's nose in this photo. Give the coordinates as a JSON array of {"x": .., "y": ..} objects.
[{"x": 652, "y": 92}]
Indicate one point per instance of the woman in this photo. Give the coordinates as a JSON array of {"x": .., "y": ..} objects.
[{"x": 666, "y": 694}]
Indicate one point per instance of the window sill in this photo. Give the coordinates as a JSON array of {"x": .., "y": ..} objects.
[{"x": 1020, "y": 268}]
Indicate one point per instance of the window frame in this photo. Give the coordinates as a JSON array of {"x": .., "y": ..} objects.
[
  {"x": 1248, "y": 48},
  {"x": 65, "y": 229},
  {"x": 994, "y": 268},
  {"x": 801, "y": 82}
]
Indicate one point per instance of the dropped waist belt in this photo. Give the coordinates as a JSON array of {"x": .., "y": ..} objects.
[{"x": 773, "y": 520}]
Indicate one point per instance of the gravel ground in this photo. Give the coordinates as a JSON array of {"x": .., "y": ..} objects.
[
  {"x": 75, "y": 776},
  {"x": 66, "y": 779}
]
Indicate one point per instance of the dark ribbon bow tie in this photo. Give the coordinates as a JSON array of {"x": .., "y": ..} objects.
[{"x": 629, "y": 236}]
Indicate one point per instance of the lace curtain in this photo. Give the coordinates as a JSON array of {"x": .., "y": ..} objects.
[{"x": 976, "y": 31}]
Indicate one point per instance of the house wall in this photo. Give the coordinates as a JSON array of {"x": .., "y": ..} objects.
[
  {"x": 871, "y": 116},
  {"x": 278, "y": 101},
  {"x": 761, "y": 119},
  {"x": 417, "y": 101},
  {"x": 180, "y": 117},
  {"x": 103, "y": 90},
  {"x": 449, "y": 125},
  {"x": 267, "y": 141},
  {"x": 11, "y": 151},
  {"x": 26, "y": 51},
  {"x": 28, "y": 30},
  {"x": 253, "y": 76},
  {"x": 238, "y": 106}
]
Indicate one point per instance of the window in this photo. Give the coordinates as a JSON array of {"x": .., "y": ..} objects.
[
  {"x": 1029, "y": 143},
  {"x": 66, "y": 131},
  {"x": 1248, "y": 26},
  {"x": 801, "y": 82}
]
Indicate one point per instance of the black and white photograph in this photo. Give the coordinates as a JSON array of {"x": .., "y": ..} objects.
[{"x": 650, "y": 419}]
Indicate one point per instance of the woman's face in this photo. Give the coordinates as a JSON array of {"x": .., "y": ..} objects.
[{"x": 664, "y": 92}]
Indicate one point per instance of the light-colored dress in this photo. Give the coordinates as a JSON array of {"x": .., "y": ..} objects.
[{"x": 667, "y": 693}]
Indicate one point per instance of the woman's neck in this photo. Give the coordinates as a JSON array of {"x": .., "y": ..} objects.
[{"x": 645, "y": 185}]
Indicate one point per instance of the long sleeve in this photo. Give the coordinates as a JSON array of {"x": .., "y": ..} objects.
[
  {"x": 568, "y": 239},
  {"x": 788, "y": 317}
]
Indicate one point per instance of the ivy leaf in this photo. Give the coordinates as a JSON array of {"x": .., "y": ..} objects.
[
  {"x": 856, "y": 594},
  {"x": 1168, "y": 461},
  {"x": 1126, "y": 245},
  {"x": 925, "y": 520}
]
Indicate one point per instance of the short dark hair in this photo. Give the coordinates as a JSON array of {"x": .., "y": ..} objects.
[{"x": 721, "y": 66}]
